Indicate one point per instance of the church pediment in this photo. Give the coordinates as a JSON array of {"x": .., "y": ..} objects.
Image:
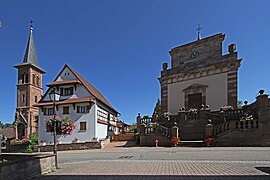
[{"x": 195, "y": 86}]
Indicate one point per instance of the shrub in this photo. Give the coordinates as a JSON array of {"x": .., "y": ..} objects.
[{"x": 33, "y": 140}]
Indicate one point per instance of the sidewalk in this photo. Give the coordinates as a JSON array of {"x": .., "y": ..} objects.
[
  {"x": 121, "y": 160},
  {"x": 146, "y": 169}
]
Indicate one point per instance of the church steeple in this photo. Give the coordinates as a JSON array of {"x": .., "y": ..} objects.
[
  {"x": 29, "y": 90},
  {"x": 30, "y": 53}
]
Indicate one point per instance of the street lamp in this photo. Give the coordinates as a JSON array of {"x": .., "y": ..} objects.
[{"x": 54, "y": 97}]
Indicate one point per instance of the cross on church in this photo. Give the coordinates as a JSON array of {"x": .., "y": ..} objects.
[
  {"x": 31, "y": 24},
  {"x": 199, "y": 32}
]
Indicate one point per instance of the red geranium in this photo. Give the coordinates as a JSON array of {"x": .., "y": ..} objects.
[{"x": 175, "y": 140}]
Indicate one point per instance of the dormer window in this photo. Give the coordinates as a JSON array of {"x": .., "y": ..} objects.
[{"x": 66, "y": 91}]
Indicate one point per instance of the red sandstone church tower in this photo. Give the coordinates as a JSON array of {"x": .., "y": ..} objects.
[{"x": 29, "y": 91}]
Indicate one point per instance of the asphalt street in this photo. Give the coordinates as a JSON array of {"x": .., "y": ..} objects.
[{"x": 246, "y": 154}]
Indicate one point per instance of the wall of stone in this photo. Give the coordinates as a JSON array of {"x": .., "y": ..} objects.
[
  {"x": 123, "y": 137},
  {"x": 149, "y": 140},
  {"x": 21, "y": 166},
  {"x": 245, "y": 137},
  {"x": 73, "y": 146}
]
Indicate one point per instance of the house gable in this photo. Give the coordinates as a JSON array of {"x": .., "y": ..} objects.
[{"x": 69, "y": 77}]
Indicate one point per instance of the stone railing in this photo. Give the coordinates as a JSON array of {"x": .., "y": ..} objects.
[
  {"x": 164, "y": 131},
  {"x": 234, "y": 125},
  {"x": 247, "y": 124},
  {"x": 146, "y": 120},
  {"x": 151, "y": 129},
  {"x": 234, "y": 114}
]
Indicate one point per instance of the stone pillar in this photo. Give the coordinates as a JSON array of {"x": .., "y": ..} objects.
[
  {"x": 142, "y": 129},
  {"x": 175, "y": 131},
  {"x": 203, "y": 114},
  {"x": 138, "y": 123},
  {"x": 209, "y": 130},
  {"x": 262, "y": 104}
]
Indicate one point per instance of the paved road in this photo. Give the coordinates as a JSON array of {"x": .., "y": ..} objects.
[{"x": 119, "y": 162}]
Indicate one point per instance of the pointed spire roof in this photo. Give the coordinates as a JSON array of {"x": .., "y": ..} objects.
[
  {"x": 30, "y": 56},
  {"x": 30, "y": 53}
]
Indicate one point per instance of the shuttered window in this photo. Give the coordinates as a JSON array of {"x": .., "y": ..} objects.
[
  {"x": 66, "y": 110},
  {"x": 82, "y": 126},
  {"x": 83, "y": 109},
  {"x": 66, "y": 91}
]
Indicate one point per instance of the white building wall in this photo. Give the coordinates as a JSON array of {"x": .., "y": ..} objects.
[
  {"x": 101, "y": 131},
  {"x": 80, "y": 92},
  {"x": 66, "y": 75},
  {"x": 89, "y": 118},
  {"x": 216, "y": 92}
]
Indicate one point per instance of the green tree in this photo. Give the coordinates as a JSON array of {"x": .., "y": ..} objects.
[
  {"x": 33, "y": 140},
  {"x": 157, "y": 110},
  {"x": 8, "y": 125},
  {"x": 239, "y": 104}
]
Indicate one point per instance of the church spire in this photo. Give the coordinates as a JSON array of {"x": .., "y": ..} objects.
[
  {"x": 30, "y": 53},
  {"x": 199, "y": 32}
]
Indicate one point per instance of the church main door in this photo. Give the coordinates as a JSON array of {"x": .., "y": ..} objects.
[
  {"x": 195, "y": 100},
  {"x": 21, "y": 131}
]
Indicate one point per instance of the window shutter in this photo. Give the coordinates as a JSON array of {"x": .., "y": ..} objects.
[
  {"x": 88, "y": 108},
  {"x": 71, "y": 90},
  {"x": 61, "y": 91},
  {"x": 78, "y": 109},
  {"x": 44, "y": 111}
]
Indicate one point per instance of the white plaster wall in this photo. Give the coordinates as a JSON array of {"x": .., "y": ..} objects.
[
  {"x": 101, "y": 131},
  {"x": 89, "y": 118},
  {"x": 216, "y": 93},
  {"x": 80, "y": 92},
  {"x": 66, "y": 75}
]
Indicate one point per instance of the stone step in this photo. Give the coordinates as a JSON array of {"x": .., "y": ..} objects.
[{"x": 199, "y": 143}]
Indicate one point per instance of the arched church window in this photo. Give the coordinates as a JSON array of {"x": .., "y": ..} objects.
[
  {"x": 23, "y": 98},
  {"x": 23, "y": 75},
  {"x": 34, "y": 79},
  {"x": 37, "y": 81},
  {"x": 26, "y": 77},
  {"x": 36, "y": 99}
]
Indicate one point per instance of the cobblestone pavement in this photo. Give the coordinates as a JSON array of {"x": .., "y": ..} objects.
[
  {"x": 126, "y": 167},
  {"x": 155, "y": 169}
]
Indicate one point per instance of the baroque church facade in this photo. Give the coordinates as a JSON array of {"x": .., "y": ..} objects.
[
  {"x": 200, "y": 75},
  {"x": 29, "y": 91}
]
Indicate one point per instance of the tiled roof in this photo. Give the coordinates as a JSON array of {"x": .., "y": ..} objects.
[
  {"x": 9, "y": 132},
  {"x": 30, "y": 57},
  {"x": 102, "y": 122},
  {"x": 91, "y": 88},
  {"x": 63, "y": 82},
  {"x": 67, "y": 101}
]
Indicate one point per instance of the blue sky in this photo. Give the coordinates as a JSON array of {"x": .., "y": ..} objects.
[{"x": 119, "y": 46}]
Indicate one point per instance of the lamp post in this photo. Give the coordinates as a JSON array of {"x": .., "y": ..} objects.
[{"x": 54, "y": 97}]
